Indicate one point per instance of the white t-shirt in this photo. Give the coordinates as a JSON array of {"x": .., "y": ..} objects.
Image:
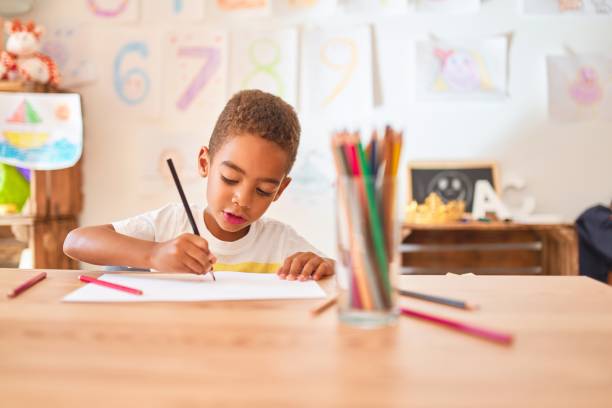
[{"x": 263, "y": 249}]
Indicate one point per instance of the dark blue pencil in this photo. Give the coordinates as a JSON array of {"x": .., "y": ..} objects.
[{"x": 438, "y": 299}]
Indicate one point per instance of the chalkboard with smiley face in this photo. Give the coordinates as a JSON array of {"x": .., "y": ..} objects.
[{"x": 450, "y": 180}]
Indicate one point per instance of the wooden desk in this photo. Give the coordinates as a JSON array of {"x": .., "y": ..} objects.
[
  {"x": 269, "y": 354},
  {"x": 496, "y": 248}
]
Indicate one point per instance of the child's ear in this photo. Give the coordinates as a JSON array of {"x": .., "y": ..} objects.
[
  {"x": 203, "y": 161},
  {"x": 282, "y": 187}
]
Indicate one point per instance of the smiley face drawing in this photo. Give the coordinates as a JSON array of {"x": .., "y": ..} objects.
[
  {"x": 460, "y": 71},
  {"x": 452, "y": 185}
]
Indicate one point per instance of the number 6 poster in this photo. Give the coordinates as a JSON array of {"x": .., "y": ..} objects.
[
  {"x": 129, "y": 61},
  {"x": 337, "y": 71},
  {"x": 195, "y": 66}
]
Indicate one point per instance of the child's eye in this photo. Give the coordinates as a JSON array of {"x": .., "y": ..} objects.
[
  {"x": 264, "y": 193},
  {"x": 228, "y": 181}
]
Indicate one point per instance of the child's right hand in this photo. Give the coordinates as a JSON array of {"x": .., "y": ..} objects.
[{"x": 185, "y": 253}]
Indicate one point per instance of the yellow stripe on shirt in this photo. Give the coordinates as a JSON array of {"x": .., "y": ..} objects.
[{"x": 255, "y": 267}]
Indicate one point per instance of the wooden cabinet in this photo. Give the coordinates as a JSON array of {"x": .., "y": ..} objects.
[
  {"x": 55, "y": 202},
  {"x": 496, "y": 248}
]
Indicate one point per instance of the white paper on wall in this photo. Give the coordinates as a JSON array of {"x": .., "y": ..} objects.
[
  {"x": 448, "y": 6},
  {"x": 303, "y": 8},
  {"x": 568, "y": 7},
  {"x": 67, "y": 44},
  {"x": 195, "y": 75},
  {"x": 112, "y": 11},
  {"x": 129, "y": 64},
  {"x": 173, "y": 11},
  {"x": 313, "y": 174},
  {"x": 468, "y": 71},
  {"x": 374, "y": 6},
  {"x": 337, "y": 71},
  {"x": 265, "y": 60},
  {"x": 40, "y": 131},
  {"x": 156, "y": 147},
  {"x": 238, "y": 8},
  {"x": 580, "y": 87}
]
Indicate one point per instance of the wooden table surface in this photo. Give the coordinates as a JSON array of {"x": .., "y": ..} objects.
[{"x": 273, "y": 353}]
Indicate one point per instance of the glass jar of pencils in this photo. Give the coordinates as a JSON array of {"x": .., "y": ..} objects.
[{"x": 368, "y": 249}]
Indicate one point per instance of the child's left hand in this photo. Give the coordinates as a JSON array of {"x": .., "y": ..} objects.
[{"x": 305, "y": 265}]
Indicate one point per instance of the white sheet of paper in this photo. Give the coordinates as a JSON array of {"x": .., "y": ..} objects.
[
  {"x": 192, "y": 288},
  {"x": 448, "y": 6}
]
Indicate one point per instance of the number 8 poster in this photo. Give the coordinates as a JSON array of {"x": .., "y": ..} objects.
[{"x": 265, "y": 60}]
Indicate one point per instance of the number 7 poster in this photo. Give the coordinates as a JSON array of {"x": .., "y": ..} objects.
[{"x": 195, "y": 75}]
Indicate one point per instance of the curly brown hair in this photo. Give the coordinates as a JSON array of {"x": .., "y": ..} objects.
[{"x": 258, "y": 113}]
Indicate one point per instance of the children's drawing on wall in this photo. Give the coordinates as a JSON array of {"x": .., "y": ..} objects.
[
  {"x": 115, "y": 11},
  {"x": 337, "y": 71},
  {"x": 238, "y": 8},
  {"x": 266, "y": 60},
  {"x": 580, "y": 87},
  {"x": 67, "y": 44},
  {"x": 303, "y": 8},
  {"x": 374, "y": 6},
  {"x": 129, "y": 64},
  {"x": 448, "y": 6},
  {"x": 312, "y": 176},
  {"x": 568, "y": 7},
  {"x": 195, "y": 75},
  {"x": 471, "y": 71},
  {"x": 170, "y": 11},
  {"x": 157, "y": 147},
  {"x": 40, "y": 131}
]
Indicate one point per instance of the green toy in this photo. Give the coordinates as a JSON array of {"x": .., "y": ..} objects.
[{"x": 14, "y": 188}]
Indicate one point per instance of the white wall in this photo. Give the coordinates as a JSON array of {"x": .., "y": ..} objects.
[{"x": 567, "y": 167}]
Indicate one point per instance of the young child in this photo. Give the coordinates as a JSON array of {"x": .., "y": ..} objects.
[{"x": 251, "y": 151}]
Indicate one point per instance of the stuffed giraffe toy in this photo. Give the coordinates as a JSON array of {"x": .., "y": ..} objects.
[{"x": 21, "y": 59}]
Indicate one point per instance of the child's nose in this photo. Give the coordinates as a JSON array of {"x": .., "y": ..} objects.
[{"x": 242, "y": 199}]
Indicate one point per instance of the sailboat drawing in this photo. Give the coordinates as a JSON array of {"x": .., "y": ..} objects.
[{"x": 26, "y": 138}]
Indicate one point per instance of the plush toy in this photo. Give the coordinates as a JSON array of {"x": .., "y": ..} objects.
[{"x": 21, "y": 59}]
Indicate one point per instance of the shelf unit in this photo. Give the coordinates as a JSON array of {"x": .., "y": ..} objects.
[{"x": 55, "y": 202}]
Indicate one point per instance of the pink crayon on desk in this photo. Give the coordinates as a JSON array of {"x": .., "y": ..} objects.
[{"x": 487, "y": 334}]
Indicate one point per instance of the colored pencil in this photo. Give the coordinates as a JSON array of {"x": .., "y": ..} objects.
[
  {"x": 439, "y": 299},
  {"x": 324, "y": 306},
  {"x": 27, "y": 284},
  {"x": 487, "y": 334},
  {"x": 367, "y": 203},
  {"x": 89, "y": 279},
  {"x": 179, "y": 187}
]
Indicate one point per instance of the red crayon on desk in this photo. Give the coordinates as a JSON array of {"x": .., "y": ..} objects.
[
  {"x": 487, "y": 334},
  {"x": 89, "y": 279},
  {"x": 27, "y": 284}
]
